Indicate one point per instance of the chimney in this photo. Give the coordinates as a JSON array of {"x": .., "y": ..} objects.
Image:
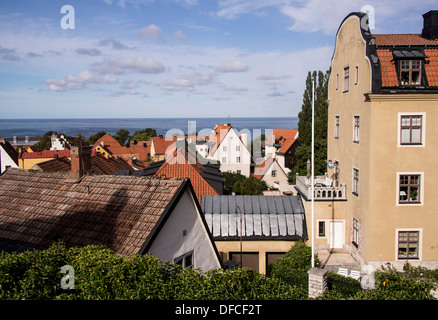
[
  {"x": 80, "y": 161},
  {"x": 430, "y": 25}
]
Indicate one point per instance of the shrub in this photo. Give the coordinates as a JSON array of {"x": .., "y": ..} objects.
[{"x": 293, "y": 266}]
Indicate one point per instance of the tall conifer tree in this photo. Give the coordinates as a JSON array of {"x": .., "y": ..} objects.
[{"x": 303, "y": 152}]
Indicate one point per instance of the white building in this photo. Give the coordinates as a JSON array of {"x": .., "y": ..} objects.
[
  {"x": 8, "y": 156},
  {"x": 230, "y": 149},
  {"x": 58, "y": 143}
]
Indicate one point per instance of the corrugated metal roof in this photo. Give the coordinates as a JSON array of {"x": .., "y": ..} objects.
[{"x": 264, "y": 217}]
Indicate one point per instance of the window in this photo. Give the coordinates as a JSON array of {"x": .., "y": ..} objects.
[
  {"x": 224, "y": 160},
  {"x": 321, "y": 228},
  {"x": 337, "y": 81},
  {"x": 346, "y": 79},
  {"x": 408, "y": 244},
  {"x": 224, "y": 148},
  {"x": 239, "y": 171},
  {"x": 356, "y": 129},
  {"x": 356, "y": 81},
  {"x": 186, "y": 260},
  {"x": 409, "y": 188},
  {"x": 273, "y": 173},
  {"x": 237, "y": 148},
  {"x": 411, "y": 129},
  {"x": 237, "y": 159},
  {"x": 410, "y": 72},
  {"x": 355, "y": 232},
  {"x": 337, "y": 126},
  {"x": 356, "y": 182}
]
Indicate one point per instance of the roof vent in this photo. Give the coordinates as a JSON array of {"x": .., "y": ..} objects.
[{"x": 430, "y": 25}]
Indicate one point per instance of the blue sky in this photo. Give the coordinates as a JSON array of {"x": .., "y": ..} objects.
[{"x": 173, "y": 58}]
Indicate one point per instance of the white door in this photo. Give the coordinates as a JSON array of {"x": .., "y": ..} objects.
[{"x": 336, "y": 236}]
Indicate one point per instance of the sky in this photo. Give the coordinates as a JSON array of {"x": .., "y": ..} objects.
[{"x": 173, "y": 58}]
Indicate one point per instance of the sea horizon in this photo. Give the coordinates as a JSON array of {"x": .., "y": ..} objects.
[{"x": 88, "y": 126}]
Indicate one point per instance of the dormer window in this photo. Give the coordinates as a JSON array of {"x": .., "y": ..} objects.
[{"x": 410, "y": 72}]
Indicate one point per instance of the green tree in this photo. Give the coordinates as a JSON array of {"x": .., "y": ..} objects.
[
  {"x": 303, "y": 152},
  {"x": 143, "y": 135},
  {"x": 122, "y": 136},
  {"x": 93, "y": 138},
  {"x": 46, "y": 141}
]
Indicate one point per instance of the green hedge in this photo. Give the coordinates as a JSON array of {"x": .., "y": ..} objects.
[{"x": 101, "y": 274}]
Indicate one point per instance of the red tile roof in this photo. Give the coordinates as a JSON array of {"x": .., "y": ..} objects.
[
  {"x": 218, "y": 135},
  {"x": 44, "y": 154},
  {"x": 389, "y": 74},
  {"x": 284, "y": 137},
  {"x": 177, "y": 165},
  {"x": 162, "y": 143},
  {"x": 119, "y": 212},
  {"x": 403, "y": 40},
  {"x": 141, "y": 150}
]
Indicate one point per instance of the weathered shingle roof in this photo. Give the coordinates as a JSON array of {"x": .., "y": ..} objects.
[
  {"x": 119, "y": 212},
  {"x": 264, "y": 217}
]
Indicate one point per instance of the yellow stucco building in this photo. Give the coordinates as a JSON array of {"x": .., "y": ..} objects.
[{"x": 382, "y": 129}]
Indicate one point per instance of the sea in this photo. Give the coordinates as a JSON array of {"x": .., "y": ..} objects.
[{"x": 163, "y": 126}]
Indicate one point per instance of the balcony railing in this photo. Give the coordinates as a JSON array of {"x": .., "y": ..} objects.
[{"x": 324, "y": 189}]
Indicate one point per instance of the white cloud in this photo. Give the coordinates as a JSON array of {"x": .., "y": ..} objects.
[
  {"x": 233, "y": 66},
  {"x": 139, "y": 64},
  {"x": 179, "y": 36},
  {"x": 151, "y": 32},
  {"x": 187, "y": 82},
  {"x": 72, "y": 82}
]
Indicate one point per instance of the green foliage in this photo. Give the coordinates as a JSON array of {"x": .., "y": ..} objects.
[
  {"x": 101, "y": 274},
  {"x": 122, "y": 136},
  {"x": 390, "y": 284},
  {"x": 241, "y": 185},
  {"x": 143, "y": 135},
  {"x": 91, "y": 140},
  {"x": 303, "y": 152},
  {"x": 46, "y": 141},
  {"x": 293, "y": 266}
]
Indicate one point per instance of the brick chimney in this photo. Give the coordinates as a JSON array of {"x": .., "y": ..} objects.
[
  {"x": 80, "y": 161},
  {"x": 430, "y": 25}
]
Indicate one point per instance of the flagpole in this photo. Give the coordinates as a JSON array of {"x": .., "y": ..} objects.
[{"x": 313, "y": 172}]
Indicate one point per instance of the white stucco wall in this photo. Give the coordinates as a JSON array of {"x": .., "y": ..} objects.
[
  {"x": 5, "y": 160},
  {"x": 171, "y": 242},
  {"x": 234, "y": 147}
]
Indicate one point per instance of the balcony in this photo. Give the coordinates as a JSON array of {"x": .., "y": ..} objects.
[{"x": 323, "y": 191}]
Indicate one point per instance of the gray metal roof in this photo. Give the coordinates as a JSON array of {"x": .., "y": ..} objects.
[{"x": 263, "y": 217}]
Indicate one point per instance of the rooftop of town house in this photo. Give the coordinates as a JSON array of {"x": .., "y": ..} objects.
[
  {"x": 283, "y": 139},
  {"x": 99, "y": 165},
  {"x": 264, "y": 217},
  {"x": 120, "y": 212}
]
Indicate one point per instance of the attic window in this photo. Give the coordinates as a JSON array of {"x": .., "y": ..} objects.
[{"x": 410, "y": 72}]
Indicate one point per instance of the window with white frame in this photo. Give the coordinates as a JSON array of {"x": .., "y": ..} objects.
[
  {"x": 224, "y": 148},
  {"x": 224, "y": 160},
  {"x": 409, "y": 188},
  {"x": 411, "y": 129},
  {"x": 408, "y": 244},
  {"x": 356, "y": 128},
  {"x": 237, "y": 159}
]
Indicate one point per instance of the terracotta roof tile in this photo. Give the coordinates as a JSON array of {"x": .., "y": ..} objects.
[
  {"x": 402, "y": 40},
  {"x": 389, "y": 74},
  {"x": 162, "y": 143},
  {"x": 44, "y": 154},
  {"x": 116, "y": 211},
  {"x": 284, "y": 137}
]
